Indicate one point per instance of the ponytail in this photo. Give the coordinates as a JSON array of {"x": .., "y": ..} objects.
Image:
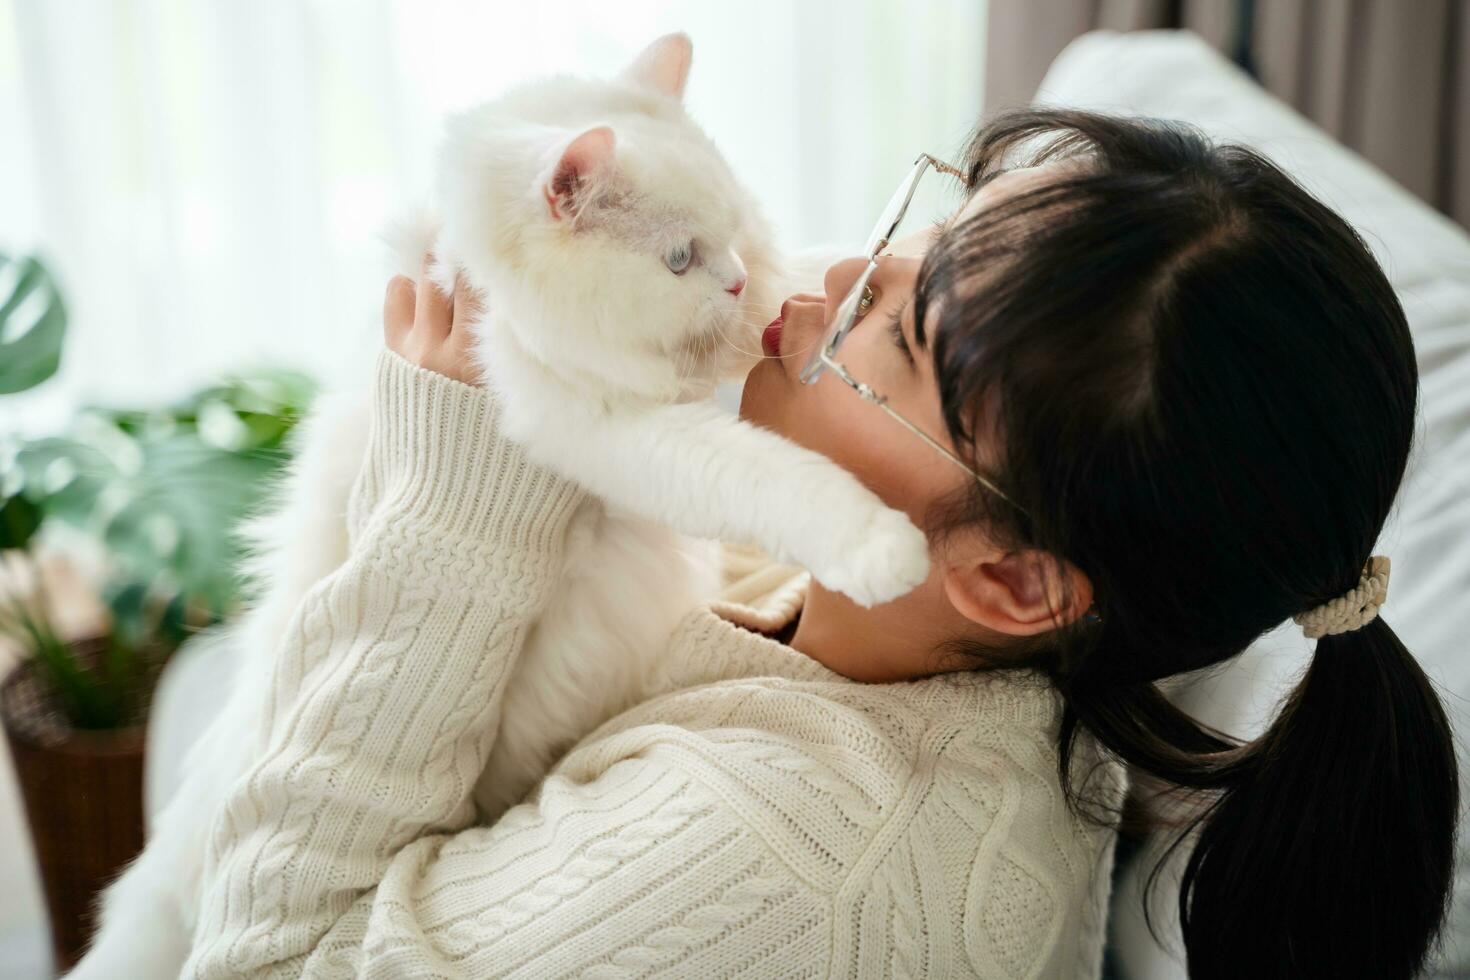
[
  {"x": 1326, "y": 845},
  {"x": 1333, "y": 852}
]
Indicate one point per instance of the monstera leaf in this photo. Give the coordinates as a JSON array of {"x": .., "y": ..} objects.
[
  {"x": 19, "y": 520},
  {"x": 163, "y": 507},
  {"x": 164, "y": 490},
  {"x": 32, "y": 324}
]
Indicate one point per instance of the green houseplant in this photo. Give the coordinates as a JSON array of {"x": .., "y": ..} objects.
[{"x": 158, "y": 493}]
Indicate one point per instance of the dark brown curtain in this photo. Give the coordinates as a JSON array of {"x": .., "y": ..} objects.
[{"x": 1388, "y": 78}]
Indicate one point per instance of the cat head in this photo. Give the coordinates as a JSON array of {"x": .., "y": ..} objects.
[{"x": 607, "y": 231}]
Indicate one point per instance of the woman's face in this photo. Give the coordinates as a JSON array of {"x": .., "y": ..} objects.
[
  {"x": 976, "y": 590},
  {"x": 828, "y": 416}
]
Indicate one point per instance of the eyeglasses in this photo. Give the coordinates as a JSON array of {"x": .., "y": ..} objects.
[{"x": 859, "y": 300}]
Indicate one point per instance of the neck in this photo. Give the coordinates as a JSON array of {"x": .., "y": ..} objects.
[{"x": 880, "y": 645}]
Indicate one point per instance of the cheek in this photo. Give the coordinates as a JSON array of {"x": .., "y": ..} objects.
[
  {"x": 682, "y": 311},
  {"x": 829, "y": 418}
]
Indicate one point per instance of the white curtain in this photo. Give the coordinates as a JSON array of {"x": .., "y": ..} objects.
[{"x": 207, "y": 177}]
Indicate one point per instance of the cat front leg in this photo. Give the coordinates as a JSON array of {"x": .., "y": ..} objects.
[{"x": 704, "y": 473}]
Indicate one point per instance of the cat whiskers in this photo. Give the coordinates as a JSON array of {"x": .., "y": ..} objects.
[
  {"x": 735, "y": 321},
  {"x": 755, "y": 322},
  {"x": 696, "y": 353}
]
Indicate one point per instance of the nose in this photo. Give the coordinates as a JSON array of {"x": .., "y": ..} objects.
[
  {"x": 736, "y": 289},
  {"x": 839, "y": 279}
]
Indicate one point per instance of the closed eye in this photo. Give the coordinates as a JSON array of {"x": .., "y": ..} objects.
[{"x": 895, "y": 330}]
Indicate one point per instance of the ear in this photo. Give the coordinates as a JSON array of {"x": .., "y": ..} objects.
[
  {"x": 584, "y": 162},
  {"x": 1020, "y": 593},
  {"x": 663, "y": 66}
]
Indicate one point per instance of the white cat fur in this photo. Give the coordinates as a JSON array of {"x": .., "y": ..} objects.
[{"x": 605, "y": 361}]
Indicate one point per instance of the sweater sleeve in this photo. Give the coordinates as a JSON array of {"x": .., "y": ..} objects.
[
  {"x": 386, "y": 693},
  {"x": 347, "y": 848}
]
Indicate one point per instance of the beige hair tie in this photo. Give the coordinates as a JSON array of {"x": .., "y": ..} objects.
[{"x": 1348, "y": 612}]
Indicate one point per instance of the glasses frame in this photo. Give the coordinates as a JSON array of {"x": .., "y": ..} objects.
[{"x": 847, "y": 315}]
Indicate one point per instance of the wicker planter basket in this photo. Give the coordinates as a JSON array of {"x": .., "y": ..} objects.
[{"x": 83, "y": 795}]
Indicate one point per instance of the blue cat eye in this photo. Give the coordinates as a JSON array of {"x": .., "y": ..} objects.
[
  {"x": 859, "y": 300},
  {"x": 678, "y": 260}
]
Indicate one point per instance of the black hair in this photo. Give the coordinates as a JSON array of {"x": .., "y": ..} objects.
[{"x": 1203, "y": 391}]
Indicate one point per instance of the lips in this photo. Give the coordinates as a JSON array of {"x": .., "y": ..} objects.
[{"x": 771, "y": 338}]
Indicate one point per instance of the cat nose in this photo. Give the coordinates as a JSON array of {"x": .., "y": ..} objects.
[{"x": 736, "y": 289}]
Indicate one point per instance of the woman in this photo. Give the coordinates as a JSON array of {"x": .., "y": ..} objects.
[{"x": 1181, "y": 394}]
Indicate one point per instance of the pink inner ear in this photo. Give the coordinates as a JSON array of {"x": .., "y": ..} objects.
[
  {"x": 664, "y": 65},
  {"x": 583, "y": 158}
]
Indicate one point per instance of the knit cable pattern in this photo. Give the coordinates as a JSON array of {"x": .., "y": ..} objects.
[
  {"x": 697, "y": 925},
  {"x": 763, "y": 817}
]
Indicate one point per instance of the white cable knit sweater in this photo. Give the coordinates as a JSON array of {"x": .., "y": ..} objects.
[{"x": 760, "y": 815}]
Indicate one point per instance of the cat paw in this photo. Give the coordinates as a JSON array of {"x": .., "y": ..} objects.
[{"x": 877, "y": 561}]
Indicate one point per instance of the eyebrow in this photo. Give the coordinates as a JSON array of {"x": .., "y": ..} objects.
[
  {"x": 908, "y": 304},
  {"x": 940, "y": 232},
  {"x": 943, "y": 227},
  {"x": 988, "y": 178},
  {"x": 908, "y": 310}
]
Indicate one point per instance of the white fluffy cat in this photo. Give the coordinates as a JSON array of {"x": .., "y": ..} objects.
[{"x": 624, "y": 272}]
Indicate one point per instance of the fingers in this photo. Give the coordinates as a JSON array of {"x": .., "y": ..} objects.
[
  {"x": 466, "y": 305},
  {"x": 398, "y": 304},
  {"x": 434, "y": 312},
  {"x": 430, "y": 329}
]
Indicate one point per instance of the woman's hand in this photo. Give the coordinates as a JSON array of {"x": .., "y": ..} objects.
[{"x": 432, "y": 330}]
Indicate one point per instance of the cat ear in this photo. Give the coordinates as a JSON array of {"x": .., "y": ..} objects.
[
  {"x": 663, "y": 66},
  {"x": 583, "y": 163}
]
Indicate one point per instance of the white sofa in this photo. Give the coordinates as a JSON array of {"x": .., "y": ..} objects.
[{"x": 1175, "y": 74}]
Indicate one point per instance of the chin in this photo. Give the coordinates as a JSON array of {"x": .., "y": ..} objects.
[{"x": 761, "y": 397}]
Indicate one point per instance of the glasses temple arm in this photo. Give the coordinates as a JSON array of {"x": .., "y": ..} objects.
[{"x": 868, "y": 394}]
